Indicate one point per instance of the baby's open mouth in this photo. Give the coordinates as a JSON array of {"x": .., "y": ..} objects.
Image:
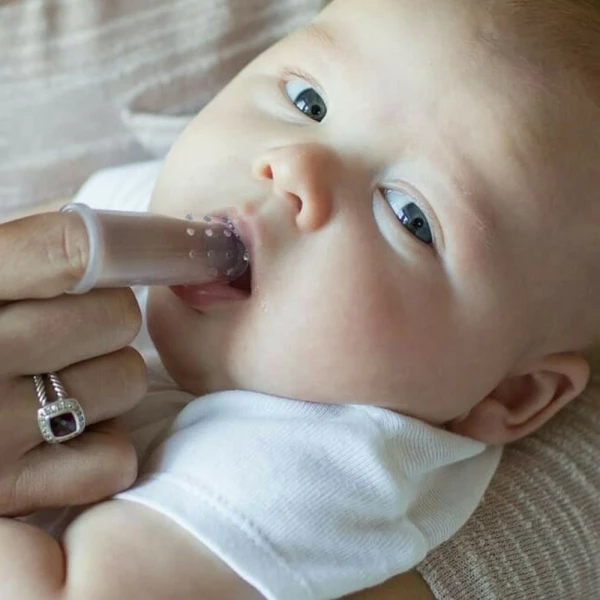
[
  {"x": 217, "y": 293},
  {"x": 244, "y": 281},
  {"x": 230, "y": 253}
]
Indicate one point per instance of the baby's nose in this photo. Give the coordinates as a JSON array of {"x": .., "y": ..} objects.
[{"x": 303, "y": 174}]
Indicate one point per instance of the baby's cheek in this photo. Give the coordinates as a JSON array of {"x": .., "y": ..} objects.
[
  {"x": 404, "y": 345},
  {"x": 340, "y": 352}
]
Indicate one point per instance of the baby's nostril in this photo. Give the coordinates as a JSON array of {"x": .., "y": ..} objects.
[
  {"x": 263, "y": 171},
  {"x": 298, "y": 201}
]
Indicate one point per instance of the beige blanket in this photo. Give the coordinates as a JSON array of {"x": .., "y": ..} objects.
[
  {"x": 90, "y": 83},
  {"x": 537, "y": 534}
]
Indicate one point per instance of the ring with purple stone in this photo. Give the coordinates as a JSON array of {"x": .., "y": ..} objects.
[{"x": 60, "y": 420}]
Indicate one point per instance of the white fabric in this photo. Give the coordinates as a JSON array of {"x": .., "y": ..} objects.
[
  {"x": 304, "y": 501},
  {"x": 126, "y": 187},
  {"x": 311, "y": 501}
]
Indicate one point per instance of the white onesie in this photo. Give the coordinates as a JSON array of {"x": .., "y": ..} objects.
[{"x": 305, "y": 501}]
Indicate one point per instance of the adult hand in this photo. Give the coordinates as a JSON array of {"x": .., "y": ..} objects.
[{"x": 85, "y": 340}]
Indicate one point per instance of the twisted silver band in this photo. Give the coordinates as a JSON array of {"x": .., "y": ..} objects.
[{"x": 60, "y": 420}]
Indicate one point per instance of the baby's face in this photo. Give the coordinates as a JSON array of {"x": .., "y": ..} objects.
[{"x": 399, "y": 194}]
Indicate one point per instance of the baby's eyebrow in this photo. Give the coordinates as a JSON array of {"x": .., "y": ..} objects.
[{"x": 324, "y": 38}]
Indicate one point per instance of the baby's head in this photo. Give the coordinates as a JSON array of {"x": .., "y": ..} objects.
[{"x": 418, "y": 180}]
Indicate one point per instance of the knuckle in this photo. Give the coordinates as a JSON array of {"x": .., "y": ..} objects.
[
  {"x": 72, "y": 250},
  {"x": 15, "y": 492},
  {"x": 131, "y": 373},
  {"x": 7, "y": 498},
  {"x": 122, "y": 454},
  {"x": 129, "y": 466},
  {"x": 127, "y": 312}
]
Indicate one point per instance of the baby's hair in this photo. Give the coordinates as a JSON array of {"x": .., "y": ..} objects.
[{"x": 555, "y": 34}]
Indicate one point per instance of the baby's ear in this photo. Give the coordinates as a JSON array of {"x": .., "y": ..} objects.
[{"x": 525, "y": 399}]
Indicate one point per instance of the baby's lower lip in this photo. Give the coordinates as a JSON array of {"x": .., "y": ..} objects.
[{"x": 207, "y": 295}]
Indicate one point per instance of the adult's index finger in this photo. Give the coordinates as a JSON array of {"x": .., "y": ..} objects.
[{"x": 42, "y": 256}]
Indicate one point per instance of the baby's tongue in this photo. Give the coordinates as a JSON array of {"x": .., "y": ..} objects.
[
  {"x": 244, "y": 282},
  {"x": 207, "y": 294}
]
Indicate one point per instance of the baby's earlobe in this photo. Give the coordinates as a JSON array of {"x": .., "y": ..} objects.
[
  {"x": 485, "y": 422},
  {"x": 462, "y": 418}
]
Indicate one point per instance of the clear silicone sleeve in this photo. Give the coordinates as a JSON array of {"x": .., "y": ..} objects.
[{"x": 127, "y": 248}]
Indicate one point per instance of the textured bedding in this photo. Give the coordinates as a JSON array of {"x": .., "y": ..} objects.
[{"x": 536, "y": 536}]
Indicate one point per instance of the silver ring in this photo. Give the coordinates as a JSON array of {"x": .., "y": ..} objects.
[{"x": 60, "y": 420}]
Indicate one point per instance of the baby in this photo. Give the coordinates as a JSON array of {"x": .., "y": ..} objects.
[{"x": 417, "y": 185}]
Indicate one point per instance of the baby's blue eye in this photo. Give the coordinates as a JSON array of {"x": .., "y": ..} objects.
[
  {"x": 306, "y": 99},
  {"x": 410, "y": 215}
]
